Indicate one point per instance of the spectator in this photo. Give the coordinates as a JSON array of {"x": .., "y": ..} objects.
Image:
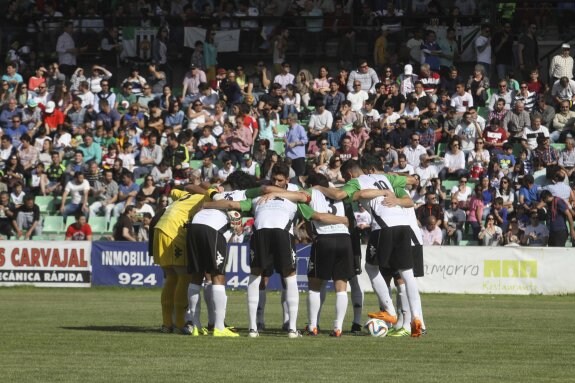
[
  {"x": 506, "y": 193},
  {"x": 128, "y": 190},
  {"x": 544, "y": 111},
  {"x": 503, "y": 49},
  {"x": 503, "y": 92},
  {"x": 226, "y": 170},
  {"x": 430, "y": 208},
  {"x": 534, "y": 132},
  {"x": 336, "y": 134},
  {"x": 144, "y": 231},
  {"x": 7, "y": 215},
  {"x": 563, "y": 122},
  {"x": 454, "y": 162},
  {"x": 529, "y": 98},
  {"x": 461, "y": 100},
  {"x": 79, "y": 230},
  {"x": 366, "y": 76},
  {"x": 559, "y": 219},
  {"x": 251, "y": 167},
  {"x": 475, "y": 212},
  {"x": 468, "y": 131},
  {"x": 362, "y": 222},
  {"x": 425, "y": 170},
  {"x": 562, "y": 64},
  {"x": 546, "y": 154},
  {"x": 403, "y": 167},
  {"x": 320, "y": 122},
  {"x": 478, "y": 159},
  {"x": 453, "y": 222},
  {"x": 358, "y": 137},
  {"x": 477, "y": 85},
  {"x": 27, "y": 219},
  {"x": 563, "y": 90},
  {"x": 124, "y": 229},
  {"x": 296, "y": 141},
  {"x": 535, "y": 233},
  {"x": 105, "y": 194},
  {"x": 500, "y": 213},
  {"x": 513, "y": 235},
  {"x": 78, "y": 189},
  {"x": 528, "y": 50},
  {"x": 432, "y": 235},
  {"x": 516, "y": 121},
  {"x": 490, "y": 234},
  {"x": 333, "y": 98}
]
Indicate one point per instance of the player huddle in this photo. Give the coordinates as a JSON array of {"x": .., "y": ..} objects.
[{"x": 190, "y": 237}]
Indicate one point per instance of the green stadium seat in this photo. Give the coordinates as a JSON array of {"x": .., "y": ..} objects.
[
  {"x": 140, "y": 181},
  {"x": 448, "y": 185},
  {"x": 282, "y": 129},
  {"x": 557, "y": 146},
  {"x": 279, "y": 147},
  {"x": 44, "y": 203},
  {"x": 441, "y": 148},
  {"x": 483, "y": 111},
  {"x": 53, "y": 224},
  {"x": 112, "y": 223},
  {"x": 98, "y": 224},
  {"x": 196, "y": 164}
]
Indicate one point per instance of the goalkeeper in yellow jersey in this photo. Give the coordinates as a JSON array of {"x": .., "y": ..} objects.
[{"x": 169, "y": 251}]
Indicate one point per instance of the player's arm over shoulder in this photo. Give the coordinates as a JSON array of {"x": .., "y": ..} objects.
[
  {"x": 346, "y": 191},
  {"x": 309, "y": 214}
]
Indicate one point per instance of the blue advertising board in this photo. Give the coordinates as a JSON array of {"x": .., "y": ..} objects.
[{"x": 128, "y": 264}]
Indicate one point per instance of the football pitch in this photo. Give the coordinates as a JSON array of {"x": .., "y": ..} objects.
[{"x": 111, "y": 335}]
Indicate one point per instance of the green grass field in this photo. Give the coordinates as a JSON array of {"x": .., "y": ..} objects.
[{"x": 97, "y": 335}]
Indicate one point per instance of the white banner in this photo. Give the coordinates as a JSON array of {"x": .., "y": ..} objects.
[
  {"x": 498, "y": 270},
  {"x": 45, "y": 263},
  {"x": 225, "y": 41}
]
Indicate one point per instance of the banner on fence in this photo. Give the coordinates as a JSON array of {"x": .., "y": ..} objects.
[
  {"x": 124, "y": 264},
  {"x": 498, "y": 270},
  {"x": 45, "y": 264},
  {"x": 225, "y": 41},
  {"x": 138, "y": 42}
]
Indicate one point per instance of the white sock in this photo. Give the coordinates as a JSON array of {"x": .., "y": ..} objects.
[
  {"x": 399, "y": 308},
  {"x": 340, "y": 309},
  {"x": 220, "y": 301},
  {"x": 380, "y": 288},
  {"x": 285, "y": 309},
  {"x": 356, "y": 299},
  {"x": 314, "y": 306},
  {"x": 261, "y": 307},
  {"x": 412, "y": 293},
  {"x": 405, "y": 310},
  {"x": 195, "y": 302},
  {"x": 209, "y": 302},
  {"x": 322, "y": 295},
  {"x": 292, "y": 300},
  {"x": 253, "y": 298}
]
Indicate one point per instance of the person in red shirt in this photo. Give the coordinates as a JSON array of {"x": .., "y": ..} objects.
[
  {"x": 347, "y": 151},
  {"x": 495, "y": 136},
  {"x": 79, "y": 230},
  {"x": 52, "y": 116}
]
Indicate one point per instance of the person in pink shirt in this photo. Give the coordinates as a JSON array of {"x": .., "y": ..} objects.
[
  {"x": 475, "y": 212},
  {"x": 432, "y": 235},
  {"x": 358, "y": 136}
]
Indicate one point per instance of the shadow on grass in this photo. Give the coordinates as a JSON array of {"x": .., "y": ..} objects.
[{"x": 127, "y": 329}]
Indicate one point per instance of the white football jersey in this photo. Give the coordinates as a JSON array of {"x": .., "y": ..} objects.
[
  {"x": 322, "y": 204},
  {"x": 278, "y": 213},
  {"x": 417, "y": 237},
  {"x": 218, "y": 219},
  {"x": 381, "y": 215}
]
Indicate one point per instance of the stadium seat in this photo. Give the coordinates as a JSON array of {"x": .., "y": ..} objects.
[
  {"x": 44, "y": 203},
  {"x": 140, "y": 181},
  {"x": 279, "y": 147},
  {"x": 196, "y": 164},
  {"x": 98, "y": 224},
  {"x": 282, "y": 129},
  {"x": 441, "y": 148},
  {"x": 112, "y": 223},
  {"x": 53, "y": 224},
  {"x": 557, "y": 146},
  {"x": 483, "y": 111},
  {"x": 448, "y": 185}
]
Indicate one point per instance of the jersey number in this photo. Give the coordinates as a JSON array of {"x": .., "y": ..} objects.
[{"x": 380, "y": 185}]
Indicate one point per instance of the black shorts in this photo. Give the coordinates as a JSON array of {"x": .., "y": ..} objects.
[
  {"x": 418, "y": 269},
  {"x": 273, "y": 248},
  {"x": 331, "y": 257},
  {"x": 207, "y": 250},
  {"x": 390, "y": 248}
]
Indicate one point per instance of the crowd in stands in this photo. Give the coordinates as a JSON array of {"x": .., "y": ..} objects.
[{"x": 493, "y": 155}]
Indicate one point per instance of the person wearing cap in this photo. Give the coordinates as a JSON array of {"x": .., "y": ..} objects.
[
  {"x": 363, "y": 75},
  {"x": 251, "y": 167},
  {"x": 407, "y": 80},
  {"x": 32, "y": 115},
  {"x": 53, "y": 117},
  {"x": 562, "y": 64},
  {"x": 425, "y": 170},
  {"x": 191, "y": 83}
]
